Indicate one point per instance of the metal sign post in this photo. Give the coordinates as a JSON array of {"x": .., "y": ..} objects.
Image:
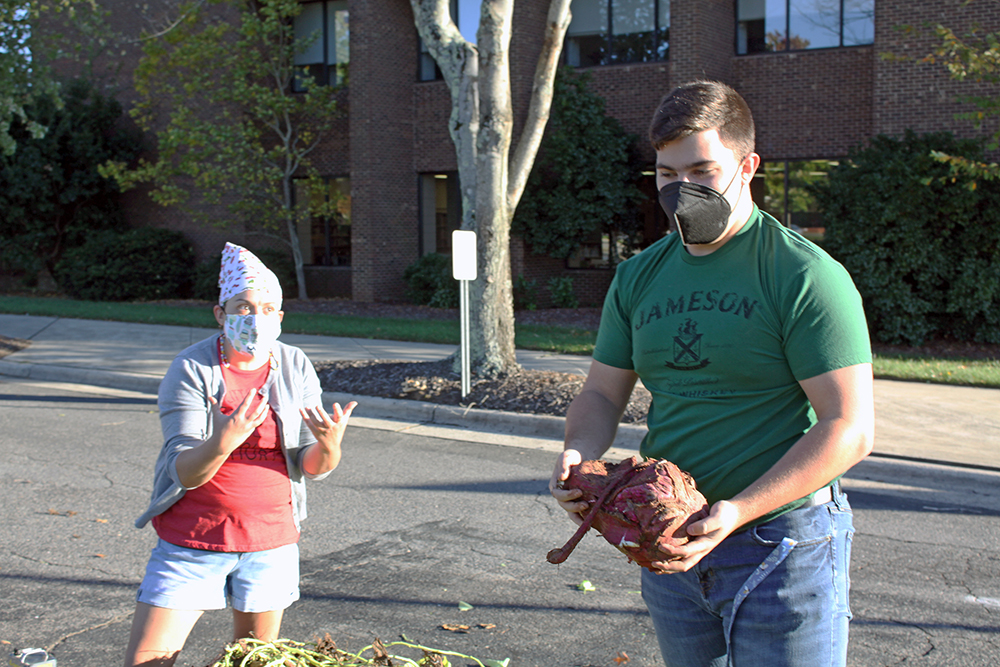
[{"x": 463, "y": 268}]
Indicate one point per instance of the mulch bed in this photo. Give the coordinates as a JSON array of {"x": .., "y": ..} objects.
[{"x": 521, "y": 390}]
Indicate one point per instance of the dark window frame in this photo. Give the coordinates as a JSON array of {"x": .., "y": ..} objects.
[{"x": 786, "y": 211}]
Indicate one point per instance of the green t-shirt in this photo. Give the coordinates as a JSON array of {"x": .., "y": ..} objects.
[{"x": 721, "y": 342}]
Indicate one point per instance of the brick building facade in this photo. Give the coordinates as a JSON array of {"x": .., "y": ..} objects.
[{"x": 810, "y": 104}]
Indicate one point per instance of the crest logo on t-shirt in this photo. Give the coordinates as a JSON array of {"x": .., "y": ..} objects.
[{"x": 687, "y": 348}]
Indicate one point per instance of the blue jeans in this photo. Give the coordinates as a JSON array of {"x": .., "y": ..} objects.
[{"x": 775, "y": 595}]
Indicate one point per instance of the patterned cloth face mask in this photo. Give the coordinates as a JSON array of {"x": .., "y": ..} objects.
[{"x": 252, "y": 334}]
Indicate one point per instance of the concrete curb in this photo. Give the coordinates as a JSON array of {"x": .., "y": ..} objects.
[
  {"x": 397, "y": 409},
  {"x": 496, "y": 421},
  {"x": 112, "y": 379}
]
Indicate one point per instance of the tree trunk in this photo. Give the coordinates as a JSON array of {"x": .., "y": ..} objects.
[
  {"x": 492, "y": 336},
  {"x": 481, "y": 124},
  {"x": 300, "y": 273},
  {"x": 293, "y": 235}
]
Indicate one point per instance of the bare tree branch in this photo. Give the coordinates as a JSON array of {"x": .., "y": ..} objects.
[{"x": 541, "y": 100}]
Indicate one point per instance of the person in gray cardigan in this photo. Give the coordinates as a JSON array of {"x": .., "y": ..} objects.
[{"x": 243, "y": 428}]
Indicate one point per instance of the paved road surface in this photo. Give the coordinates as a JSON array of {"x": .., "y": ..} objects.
[{"x": 418, "y": 518}]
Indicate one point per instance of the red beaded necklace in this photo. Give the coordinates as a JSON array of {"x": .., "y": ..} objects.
[{"x": 272, "y": 362}]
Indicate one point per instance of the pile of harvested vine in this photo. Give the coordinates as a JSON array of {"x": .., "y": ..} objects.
[{"x": 324, "y": 653}]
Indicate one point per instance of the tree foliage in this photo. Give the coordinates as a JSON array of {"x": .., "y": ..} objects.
[
  {"x": 584, "y": 176},
  {"x": 923, "y": 247},
  {"x": 217, "y": 90},
  {"x": 51, "y": 194},
  {"x": 32, "y": 35},
  {"x": 973, "y": 57}
]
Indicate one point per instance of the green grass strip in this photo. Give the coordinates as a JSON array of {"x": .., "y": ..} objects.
[
  {"x": 967, "y": 372},
  {"x": 446, "y": 332},
  {"x": 146, "y": 313},
  {"x": 964, "y": 372}
]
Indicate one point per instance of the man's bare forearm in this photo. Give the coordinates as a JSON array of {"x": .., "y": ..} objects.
[{"x": 591, "y": 424}]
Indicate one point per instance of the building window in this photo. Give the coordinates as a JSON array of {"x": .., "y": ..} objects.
[
  {"x": 601, "y": 250},
  {"x": 783, "y": 189},
  {"x": 325, "y": 239},
  {"x": 608, "y": 32},
  {"x": 793, "y": 25},
  {"x": 465, "y": 14},
  {"x": 324, "y": 28},
  {"x": 440, "y": 211}
]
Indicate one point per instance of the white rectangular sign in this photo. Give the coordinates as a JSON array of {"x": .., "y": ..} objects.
[{"x": 463, "y": 255}]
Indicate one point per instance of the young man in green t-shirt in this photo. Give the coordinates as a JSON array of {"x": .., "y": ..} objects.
[{"x": 753, "y": 343}]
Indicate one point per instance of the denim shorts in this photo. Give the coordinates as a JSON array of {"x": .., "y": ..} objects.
[
  {"x": 253, "y": 582},
  {"x": 775, "y": 595}
]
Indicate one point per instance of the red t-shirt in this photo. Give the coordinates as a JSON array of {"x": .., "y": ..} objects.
[{"x": 247, "y": 505}]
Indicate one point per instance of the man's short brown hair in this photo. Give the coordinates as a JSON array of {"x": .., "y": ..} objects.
[{"x": 704, "y": 105}]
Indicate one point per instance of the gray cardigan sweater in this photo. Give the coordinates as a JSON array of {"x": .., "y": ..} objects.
[{"x": 186, "y": 420}]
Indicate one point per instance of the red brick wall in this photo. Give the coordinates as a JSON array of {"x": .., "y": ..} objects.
[
  {"x": 332, "y": 157},
  {"x": 807, "y": 104},
  {"x": 702, "y": 40},
  {"x": 589, "y": 285},
  {"x": 433, "y": 150},
  {"x": 631, "y": 94},
  {"x": 383, "y": 181}
]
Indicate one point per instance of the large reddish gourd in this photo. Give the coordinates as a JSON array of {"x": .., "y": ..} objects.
[{"x": 638, "y": 506}]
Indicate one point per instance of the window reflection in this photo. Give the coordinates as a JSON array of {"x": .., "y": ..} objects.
[
  {"x": 326, "y": 239},
  {"x": 604, "y": 32},
  {"x": 440, "y": 211},
  {"x": 859, "y": 22},
  {"x": 325, "y": 31},
  {"x": 790, "y": 25},
  {"x": 787, "y": 193},
  {"x": 816, "y": 23}
]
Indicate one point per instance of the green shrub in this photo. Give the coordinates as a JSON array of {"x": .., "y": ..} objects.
[
  {"x": 525, "y": 294},
  {"x": 923, "y": 246},
  {"x": 141, "y": 264},
  {"x": 205, "y": 280},
  {"x": 429, "y": 282},
  {"x": 561, "y": 289},
  {"x": 583, "y": 180}
]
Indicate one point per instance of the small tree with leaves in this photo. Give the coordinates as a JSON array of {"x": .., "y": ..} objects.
[
  {"x": 24, "y": 81},
  {"x": 972, "y": 57},
  {"x": 217, "y": 89},
  {"x": 33, "y": 34},
  {"x": 52, "y": 197}
]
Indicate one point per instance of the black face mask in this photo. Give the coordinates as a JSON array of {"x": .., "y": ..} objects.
[{"x": 700, "y": 213}]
